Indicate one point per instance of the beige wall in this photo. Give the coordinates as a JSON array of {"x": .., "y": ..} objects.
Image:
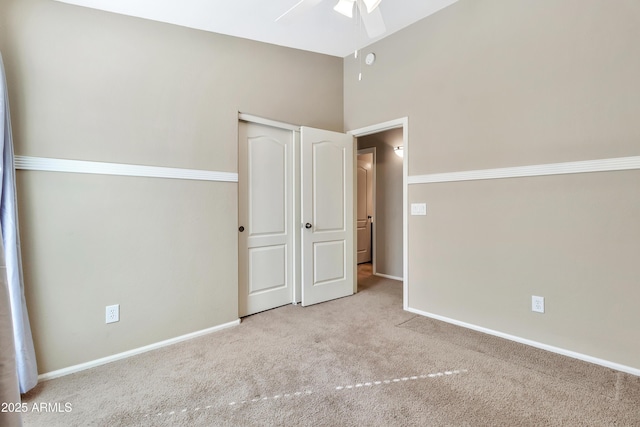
[
  {"x": 388, "y": 214},
  {"x": 489, "y": 84},
  {"x": 91, "y": 85},
  {"x": 484, "y": 83}
]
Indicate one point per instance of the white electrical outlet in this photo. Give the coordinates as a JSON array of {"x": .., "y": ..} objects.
[
  {"x": 537, "y": 304},
  {"x": 113, "y": 313}
]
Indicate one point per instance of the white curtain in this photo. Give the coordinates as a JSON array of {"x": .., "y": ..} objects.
[{"x": 25, "y": 354}]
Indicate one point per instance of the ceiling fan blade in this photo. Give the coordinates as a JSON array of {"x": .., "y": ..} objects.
[
  {"x": 371, "y": 4},
  {"x": 373, "y": 22},
  {"x": 296, "y": 10}
]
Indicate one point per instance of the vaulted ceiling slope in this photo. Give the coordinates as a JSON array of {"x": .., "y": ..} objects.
[{"x": 319, "y": 29}]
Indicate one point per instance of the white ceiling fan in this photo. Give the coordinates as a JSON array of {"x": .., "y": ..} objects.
[{"x": 367, "y": 10}]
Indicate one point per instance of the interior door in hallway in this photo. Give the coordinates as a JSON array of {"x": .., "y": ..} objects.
[
  {"x": 265, "y": 214},
  {"x": 364, "y": 209},
  {"x": 328, "y": 269}
]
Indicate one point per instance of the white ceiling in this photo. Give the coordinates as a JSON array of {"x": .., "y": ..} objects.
[{"x": 319, "y": 29}]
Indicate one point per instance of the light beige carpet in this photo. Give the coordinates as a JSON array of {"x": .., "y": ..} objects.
[{"x": 357, "y": 361}]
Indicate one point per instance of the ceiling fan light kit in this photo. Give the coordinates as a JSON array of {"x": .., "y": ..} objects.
[
  {"x": 367, "y": 11},
  {"x": 345, "y": 7}
]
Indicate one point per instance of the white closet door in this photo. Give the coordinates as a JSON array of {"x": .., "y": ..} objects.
[
  {"x": 266, "y": 213},
  {"x": 327, "y": 215}
]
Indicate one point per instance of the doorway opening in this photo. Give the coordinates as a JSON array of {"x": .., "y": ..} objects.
[{"x": 386, "y": 146}]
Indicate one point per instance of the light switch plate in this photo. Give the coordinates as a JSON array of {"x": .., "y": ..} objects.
[{"x": 418, "y": 208}]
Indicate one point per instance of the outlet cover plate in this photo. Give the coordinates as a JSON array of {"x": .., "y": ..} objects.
[
  {"x": 112, "y": 313},
  {"x": 537, "y": 304}
]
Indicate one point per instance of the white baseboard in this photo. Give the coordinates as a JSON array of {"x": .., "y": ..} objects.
[
  {"x": 135, "y": 351},
  {"x": 387, "y": 276},
  {"x": 557, "y": 350}
]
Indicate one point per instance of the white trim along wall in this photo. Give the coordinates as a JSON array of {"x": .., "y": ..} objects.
[
  {"x": 601, "y": 165},
  {"x": 81, "y": 166}
]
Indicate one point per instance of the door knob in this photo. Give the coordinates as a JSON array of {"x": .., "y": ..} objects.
[
  {"x": 241, "y": 229},
  {"x": 307, "y": 225}
]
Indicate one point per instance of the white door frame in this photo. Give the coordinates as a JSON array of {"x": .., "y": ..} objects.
[
  {"x": 371, "y": 150},
  {"x": 381, "y": 127}
]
